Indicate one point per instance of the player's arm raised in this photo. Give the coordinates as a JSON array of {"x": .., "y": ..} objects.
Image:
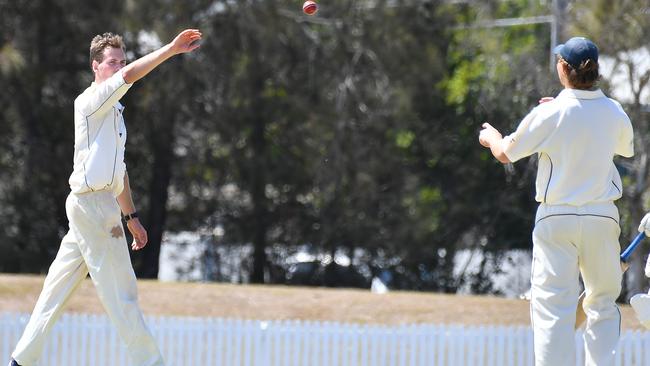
[
  {"x": 186, "y": 41},
  {"x": 491, "y": 138}
]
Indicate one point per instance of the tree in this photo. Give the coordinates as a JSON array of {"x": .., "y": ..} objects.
[
  {"x": 44, "y": 41},
  {"x": 153, "y": 139},
  {"x": 351, "y": 131}
]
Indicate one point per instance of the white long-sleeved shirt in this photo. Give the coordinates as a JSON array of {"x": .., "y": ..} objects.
[
  {"x": 576, "y": 137},
  {"x": 100, "y": 137}
]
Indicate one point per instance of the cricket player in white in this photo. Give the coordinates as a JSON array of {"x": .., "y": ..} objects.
[
  {"x": 575, "y": 136},
  {"x": 95, "y": 243}
]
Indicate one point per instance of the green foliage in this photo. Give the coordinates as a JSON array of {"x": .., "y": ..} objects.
[
  {"x": 41, "y": 61},
  {"x": 356, "y": 128}
]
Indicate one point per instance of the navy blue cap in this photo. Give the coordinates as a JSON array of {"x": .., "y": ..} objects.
[{"x": 576, "y": 50}]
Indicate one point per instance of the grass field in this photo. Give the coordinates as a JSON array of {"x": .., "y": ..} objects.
[{"x": 18, "y": 293}]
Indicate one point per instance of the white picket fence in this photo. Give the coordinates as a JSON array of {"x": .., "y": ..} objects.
[{"x": 90, "y": 340}]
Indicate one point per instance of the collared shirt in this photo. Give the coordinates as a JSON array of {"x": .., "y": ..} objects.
[
  {"x": 576, "y": 137},
  {"x": 100, "y": 137}
]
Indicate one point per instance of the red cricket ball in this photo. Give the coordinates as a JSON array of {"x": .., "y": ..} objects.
[{"x": 309, "y": 7}]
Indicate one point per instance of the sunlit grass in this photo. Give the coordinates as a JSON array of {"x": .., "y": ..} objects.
[{"x": 18, "y": 293}]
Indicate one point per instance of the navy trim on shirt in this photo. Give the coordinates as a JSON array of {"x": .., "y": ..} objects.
[
  {"x": 548, "y": 183},
  {"x": 107, "y": 99},
  {"x": 580, "y": 215}
]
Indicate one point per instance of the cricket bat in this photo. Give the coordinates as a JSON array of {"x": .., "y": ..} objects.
[{"x": 625, "y": 256}]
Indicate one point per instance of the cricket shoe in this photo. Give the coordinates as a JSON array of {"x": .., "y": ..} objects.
[
  {"x": 13, "y": 363},
  {"x": 641, "y": 305}
]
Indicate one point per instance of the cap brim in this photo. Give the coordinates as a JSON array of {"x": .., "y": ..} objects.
[{"x": 558, "y": 49}]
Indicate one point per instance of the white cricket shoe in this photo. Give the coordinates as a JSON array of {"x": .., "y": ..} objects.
[{"x": 641, "y": 305}]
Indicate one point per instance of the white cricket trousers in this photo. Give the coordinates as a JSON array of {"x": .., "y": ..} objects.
[
  {"x": 569, "y": 241},
  {"x": 94, "y": 244}
]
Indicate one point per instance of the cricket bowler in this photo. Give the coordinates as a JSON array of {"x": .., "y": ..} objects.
[{"x": 100, "y": 198}]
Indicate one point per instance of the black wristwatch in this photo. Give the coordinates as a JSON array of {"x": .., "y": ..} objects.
[{"x": 130, "y": 216}]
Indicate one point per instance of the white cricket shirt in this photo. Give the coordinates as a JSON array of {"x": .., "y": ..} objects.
[
  {"x": 100, "y": 137},
  {"x": 576, "y": 137}
]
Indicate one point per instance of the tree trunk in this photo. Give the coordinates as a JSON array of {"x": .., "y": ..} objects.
[
  {"x": 259, "y": 176},
  {"x": 157, "y": 215},
  {"x": 29, "y": 103},
  {"x": 259, "y": 201},
  {"x": 162, "y": 138}
]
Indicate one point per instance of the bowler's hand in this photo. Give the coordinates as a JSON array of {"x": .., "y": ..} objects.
[
  {"x": 139, "y": 233},
  {"x": 186, "y": 41},
  {"x": 545, "y": 99},
  {"x": 488, "y": 134}
]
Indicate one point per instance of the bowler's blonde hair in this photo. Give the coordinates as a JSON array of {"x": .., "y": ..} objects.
[{"x": 103, "y": 41}]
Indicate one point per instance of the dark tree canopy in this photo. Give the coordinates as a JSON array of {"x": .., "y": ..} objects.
[{"x": 355, "y": 129}]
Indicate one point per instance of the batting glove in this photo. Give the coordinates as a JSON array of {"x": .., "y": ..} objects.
[{"x": 644, "y": 226}]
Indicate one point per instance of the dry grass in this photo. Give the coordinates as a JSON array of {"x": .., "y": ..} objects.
[{"x": 18, "y": 293}]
